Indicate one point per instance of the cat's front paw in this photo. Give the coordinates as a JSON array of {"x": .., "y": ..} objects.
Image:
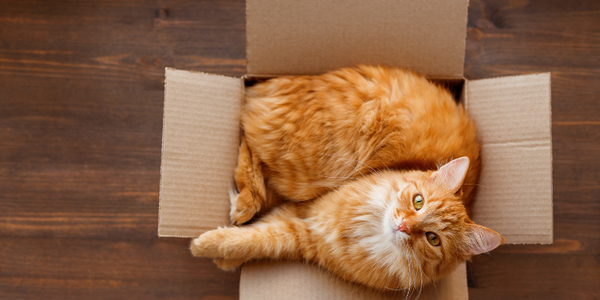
[
  {"x": 243, "y": 207},
  {"x": 206, "y": 245}
]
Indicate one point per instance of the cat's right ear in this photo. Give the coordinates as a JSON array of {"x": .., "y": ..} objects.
[
  {"x": 481, "y": 239},
  {"x": 452, "y": 174}
]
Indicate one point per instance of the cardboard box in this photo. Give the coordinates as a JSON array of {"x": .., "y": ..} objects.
[{"x": 201, "y": 126}]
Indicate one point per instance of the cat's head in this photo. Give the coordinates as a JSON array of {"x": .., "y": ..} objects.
[{"x": 427, "y": 221}]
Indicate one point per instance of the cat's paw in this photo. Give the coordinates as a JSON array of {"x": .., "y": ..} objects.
[
  {"x": 206, "y": 245},
  {"x": 239, "y": 217},
  {"x": 243, "y": 207},
  {"x": 228, "y": 264}
]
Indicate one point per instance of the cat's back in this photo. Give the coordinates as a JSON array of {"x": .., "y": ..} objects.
[{"x": 314, "y": 132}]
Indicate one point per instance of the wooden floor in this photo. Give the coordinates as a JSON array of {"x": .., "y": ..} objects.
[{"x": 81, "y": 95}]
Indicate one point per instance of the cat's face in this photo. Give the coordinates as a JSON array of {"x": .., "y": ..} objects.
[{"x": 428, "y": 223}]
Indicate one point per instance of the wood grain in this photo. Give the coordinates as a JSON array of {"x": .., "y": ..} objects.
[
  {"x": 81, "y": 95},
  {"x": 56, "y": 268},
  {"x": 521, "y": 37}
]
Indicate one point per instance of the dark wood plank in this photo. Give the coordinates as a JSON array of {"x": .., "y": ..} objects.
[
  {"x": 81, "y": 96},
  {"x": 539, "y": 276},
  {"x": 81, "y": 89},
  {"x": 50, "y": 268},
  {"x": 562, "y": 37},
  {"x": 81, "y": 93}
]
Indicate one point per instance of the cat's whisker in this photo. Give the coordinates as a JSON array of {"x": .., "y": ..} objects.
[
  {"x": 412, "y": 261},
  {"x": 436, "y": 290},
  {"x": 342, "y": 177},
  {"x": 395, "y": 289},
  {"x": 364, "y": 191},
  {"x": 419, "y": 265},
  {"x": 475, "y": 184},
  {"x": 421, "y": 273},
  {"x": 409, "y": 260},
  {"x": 372, "y": 169},
  {"x": 413, "y": 274},
  {"x": 428, "y": 279},
  {"x": 347, "y": 162},
  {"x": 385, "y": 165}
]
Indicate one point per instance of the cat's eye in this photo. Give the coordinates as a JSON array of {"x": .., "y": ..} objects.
[
  {"x": 433, "y": 238},
  {"x": 418, "y": 201}
]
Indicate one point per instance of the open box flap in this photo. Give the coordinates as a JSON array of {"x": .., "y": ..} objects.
[
  {"x": 199, "y": 152},
  {"x": 513, "y": 116},
  {"x": 294, "y": 280},
  {"x": 314, "y": 36}
]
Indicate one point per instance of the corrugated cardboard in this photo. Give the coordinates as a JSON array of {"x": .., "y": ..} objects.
[
  {"x": 513, "y": 121},
  {"x": 201, "y": 129},
  {"x": 199, "y": 151},
  {"x": 315, "y": 36},
  {"x": 296, "y": 280}
]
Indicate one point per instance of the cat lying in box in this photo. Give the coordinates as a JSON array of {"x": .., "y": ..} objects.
[{"x": 364, "y": 171}]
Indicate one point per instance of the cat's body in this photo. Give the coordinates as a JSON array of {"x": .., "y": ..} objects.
[
  {"x": 346, "y": 139},
  {"x": 313, "y": 132}
]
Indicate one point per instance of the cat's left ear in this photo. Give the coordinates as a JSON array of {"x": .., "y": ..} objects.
[
  {"x": 481, "y": 239},
  {"x": 452, "y": 174}
]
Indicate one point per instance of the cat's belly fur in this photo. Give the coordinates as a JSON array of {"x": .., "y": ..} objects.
[{"x": 313, "y": 133}]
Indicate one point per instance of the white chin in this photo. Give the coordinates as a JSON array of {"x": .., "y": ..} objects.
[{"x": 400, "y": 237}]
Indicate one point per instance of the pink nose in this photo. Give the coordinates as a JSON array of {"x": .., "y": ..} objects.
[{"x": 404, "y": 228}]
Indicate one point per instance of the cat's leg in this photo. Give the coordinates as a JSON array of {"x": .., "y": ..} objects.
[
  {"x": 251, "y": 185},
  {"x": 278, "y": 235}
]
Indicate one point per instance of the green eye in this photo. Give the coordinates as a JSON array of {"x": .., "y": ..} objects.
[
  {"x": 433, "y": 239},
  {"x": 418, "y": 201}
]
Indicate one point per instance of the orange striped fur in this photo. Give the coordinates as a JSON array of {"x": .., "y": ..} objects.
[{"x": 350, "y": 150}]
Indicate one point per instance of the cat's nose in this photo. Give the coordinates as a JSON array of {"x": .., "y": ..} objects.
[{"x": 404, "y": 228}]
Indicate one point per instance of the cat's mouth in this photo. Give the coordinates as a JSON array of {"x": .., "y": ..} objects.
[{"x": 398, "y": 236}]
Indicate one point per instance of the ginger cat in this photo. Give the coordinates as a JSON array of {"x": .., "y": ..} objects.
[{"x": 354, "y": 153}]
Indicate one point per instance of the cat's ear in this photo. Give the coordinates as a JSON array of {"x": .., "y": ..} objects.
[
  {"x": 452, "y": 174},
  {"x": 481, "y": 239}
]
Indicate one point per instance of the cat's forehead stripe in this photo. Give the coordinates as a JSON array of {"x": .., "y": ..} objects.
[
  {"x": 434, "y": 205},
  {"x": 450, "y": 218}
]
